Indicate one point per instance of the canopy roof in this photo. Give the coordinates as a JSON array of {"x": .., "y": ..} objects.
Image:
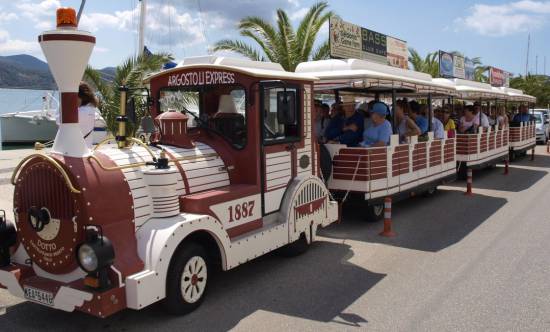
[
  {"x": 371, "y": 76},
  {"x": 258, "y": 69},
  {"x": 471, "y": 90}
]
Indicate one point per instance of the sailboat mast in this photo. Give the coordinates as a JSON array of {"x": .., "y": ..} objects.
[{"x": 141, "y": 36}]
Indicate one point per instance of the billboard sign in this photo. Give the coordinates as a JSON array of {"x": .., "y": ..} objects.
[
  {"x": 397, "y": 53},
  {"x": 469, "y": 69},
  {"x": 348, "y": 40},
  {"x": 458, "y": 67},
  {"x": 497, "y": 77},
  {"x": 446, "y": 64}
]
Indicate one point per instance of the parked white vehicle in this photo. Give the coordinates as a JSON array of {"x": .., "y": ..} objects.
[{"x": 542, "y": 125}]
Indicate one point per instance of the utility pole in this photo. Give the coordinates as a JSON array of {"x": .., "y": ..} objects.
[
  {"x": 537, "y": 64},
  {"x": 527, "y": 59},
  {"x": 141, "y": 36}
]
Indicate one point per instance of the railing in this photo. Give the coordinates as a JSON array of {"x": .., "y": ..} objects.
[
  {"x": 379, "y": 171},
  {"x": 523, "y": 136},
  {"x": 487, "y": 144}
]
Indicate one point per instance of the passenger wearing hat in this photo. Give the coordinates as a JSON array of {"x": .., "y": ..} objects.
[
  {"x": 379, "y": 134},
  {"x": 350, "y": 129}
]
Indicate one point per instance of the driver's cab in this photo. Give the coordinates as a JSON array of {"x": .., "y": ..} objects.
[{"x": 254, "y": 115}]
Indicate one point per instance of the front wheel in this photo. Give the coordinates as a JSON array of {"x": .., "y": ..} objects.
[
  {"x": 187, "y": 279},
  {"x": 374, "y": 213}
]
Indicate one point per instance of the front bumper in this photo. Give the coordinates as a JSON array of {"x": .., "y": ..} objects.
[{"x": 67, "y": 296}]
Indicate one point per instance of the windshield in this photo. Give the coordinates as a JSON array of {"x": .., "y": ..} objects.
[
  {"x": 538, "y": 117},
  {"x": 221, "y": 108}
]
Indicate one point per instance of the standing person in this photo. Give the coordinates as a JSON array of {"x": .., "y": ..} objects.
[
  {"x": 87, "y": 108},
  {"x": 379, "y": 134},
  {"x": 418, "y": 118}
]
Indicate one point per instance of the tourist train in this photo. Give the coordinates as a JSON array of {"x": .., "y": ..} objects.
[{"x": 233, "y": 171}]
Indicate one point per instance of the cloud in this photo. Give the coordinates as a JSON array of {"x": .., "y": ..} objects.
[
  {"x": 41, "y": 13},
  {"x": 16, "y": 46},
  {"x": 505, "y": 19},
  {"x": 7, "y": 17},
  {"x": 299, "y": 14}
]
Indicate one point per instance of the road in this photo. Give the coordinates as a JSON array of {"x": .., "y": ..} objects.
[{"x": 458, "y": 263}]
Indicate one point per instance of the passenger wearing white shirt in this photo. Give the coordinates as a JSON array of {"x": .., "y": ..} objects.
[
  {"x": 86, "y": 112},
  {"x": 438, "y": 128},
  {"x": 481, "y": 117}
]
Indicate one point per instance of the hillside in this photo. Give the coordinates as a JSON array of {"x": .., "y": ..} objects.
[{"x": 28, "y": 72}]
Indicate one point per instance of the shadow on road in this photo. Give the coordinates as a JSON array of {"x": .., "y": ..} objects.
[
  {"x": 518, "y": 179},
  {"x": 448, "y": 218},
  {"x": 318, "y": 285},
  {"x": 541, "y": 160}
]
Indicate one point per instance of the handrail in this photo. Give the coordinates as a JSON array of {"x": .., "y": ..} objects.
[
  {"x": 52, "y": 161},
  {"x": 133, "y": 165},
  {"x": 131, "y": 139}
]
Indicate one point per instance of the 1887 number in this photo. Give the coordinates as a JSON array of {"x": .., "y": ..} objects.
[{"x": 239, "y": 211}]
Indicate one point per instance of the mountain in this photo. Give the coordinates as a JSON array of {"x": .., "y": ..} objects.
[{"x": 27, "y": 72}]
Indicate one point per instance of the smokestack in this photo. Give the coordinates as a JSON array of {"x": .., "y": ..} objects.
[{"x": 67, "y": 51}]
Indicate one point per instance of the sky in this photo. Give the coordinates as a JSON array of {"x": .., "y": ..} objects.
[{"x": 496, "y": 31}]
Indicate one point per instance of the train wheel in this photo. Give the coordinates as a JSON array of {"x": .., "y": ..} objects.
[
  {"x": 374, "y": 212},
  {"x": 430, "y": 192},
  {"x": 295, "y": 248},
  {"x": 187, "y": 279}
]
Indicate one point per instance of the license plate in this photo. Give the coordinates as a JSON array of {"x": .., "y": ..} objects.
[{"x": 39, "y": 296}]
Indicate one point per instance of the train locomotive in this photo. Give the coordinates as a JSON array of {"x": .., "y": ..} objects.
[{"x": 231, "y": 174}]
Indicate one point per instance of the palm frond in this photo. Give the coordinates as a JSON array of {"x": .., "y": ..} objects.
[{"x": 238, "y": 46}]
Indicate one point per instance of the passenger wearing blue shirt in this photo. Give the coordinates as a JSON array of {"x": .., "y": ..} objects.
[
  {"x": 523, "y": 115},
  {"x": 418, "y": 118},
  {"x": 348, "y": 129},
  {"x": 379, "y": 134},
  {"x": 334, "y": 127}
]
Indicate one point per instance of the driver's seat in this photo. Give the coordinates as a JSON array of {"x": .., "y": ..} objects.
[{"x": 229, "y": 122}]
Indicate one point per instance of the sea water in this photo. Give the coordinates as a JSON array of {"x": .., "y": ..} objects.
[{"x": 21, "y": 100}]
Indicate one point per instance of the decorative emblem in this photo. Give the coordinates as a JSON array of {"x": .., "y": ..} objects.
[{"x": 304, "y": 161}]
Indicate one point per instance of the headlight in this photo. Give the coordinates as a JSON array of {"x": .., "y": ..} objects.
[
  {"x": 95, "y": 254},
  {"x": 87, "y": 258}
]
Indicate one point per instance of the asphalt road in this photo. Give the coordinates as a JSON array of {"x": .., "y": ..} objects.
[{"x": 458, "y": 263}]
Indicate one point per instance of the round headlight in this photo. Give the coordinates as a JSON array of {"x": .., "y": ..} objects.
[{"x": 87, "y": 258}]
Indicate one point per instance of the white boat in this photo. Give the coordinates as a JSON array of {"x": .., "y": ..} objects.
[{"x": 28, "y": 127}]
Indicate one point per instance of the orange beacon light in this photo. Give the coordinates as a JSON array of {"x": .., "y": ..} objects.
[{"x": 66, "y": 17}]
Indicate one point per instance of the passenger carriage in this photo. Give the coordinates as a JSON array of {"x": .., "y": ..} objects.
[
  {"x": 523, "y": 135},
  {"x": 397, "y": 170},
  {"x": 231, "y": 175}
]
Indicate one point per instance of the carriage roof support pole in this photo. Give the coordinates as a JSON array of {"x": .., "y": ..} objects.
[
  {"x": 377, "y": 95},
  {"x": 393, "y": 102},
  {"x": 336, "y": 96},
  {"x": 430, "y": 113}
]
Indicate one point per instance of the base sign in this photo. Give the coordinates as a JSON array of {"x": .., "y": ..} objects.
[{"x": 348, "y": 40}]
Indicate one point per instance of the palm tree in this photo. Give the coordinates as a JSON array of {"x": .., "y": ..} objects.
[
  {"x": 281, "y": 43},
  {"x": 428, "y": 65},
  {"x": 131, "y": 74}
]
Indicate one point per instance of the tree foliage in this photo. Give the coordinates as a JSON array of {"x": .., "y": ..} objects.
[
  {"x": 281, "y": 43},
  {"x": 534, "y": 85},
  {"x": 130, "y": 73}
]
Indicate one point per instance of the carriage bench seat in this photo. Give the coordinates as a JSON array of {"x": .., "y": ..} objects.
[{"x": 200, "y": 202}]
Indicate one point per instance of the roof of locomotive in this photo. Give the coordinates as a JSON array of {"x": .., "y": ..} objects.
[{"x": 258, "y": 69}]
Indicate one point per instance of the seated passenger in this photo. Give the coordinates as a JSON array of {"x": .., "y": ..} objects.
[
  {"x": 417, "y": 117},
  {"x": 321, "y": 121},
  {"x": 365, "y": 109},
  {"x": 334, "y": 127},
  {"x": 449, "y": 124},
  {"x": 379, "y": 134},
  {"x": 406, "y": 127},
  {"x": 502, "y": 118},
  {"x": 350, "y": 127},
  {"x": 468, "y": 122},
  {"x": 482, "y": 118},
  {"x": 523, "y": 115},
  {"x": 437, "y": 127}
]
